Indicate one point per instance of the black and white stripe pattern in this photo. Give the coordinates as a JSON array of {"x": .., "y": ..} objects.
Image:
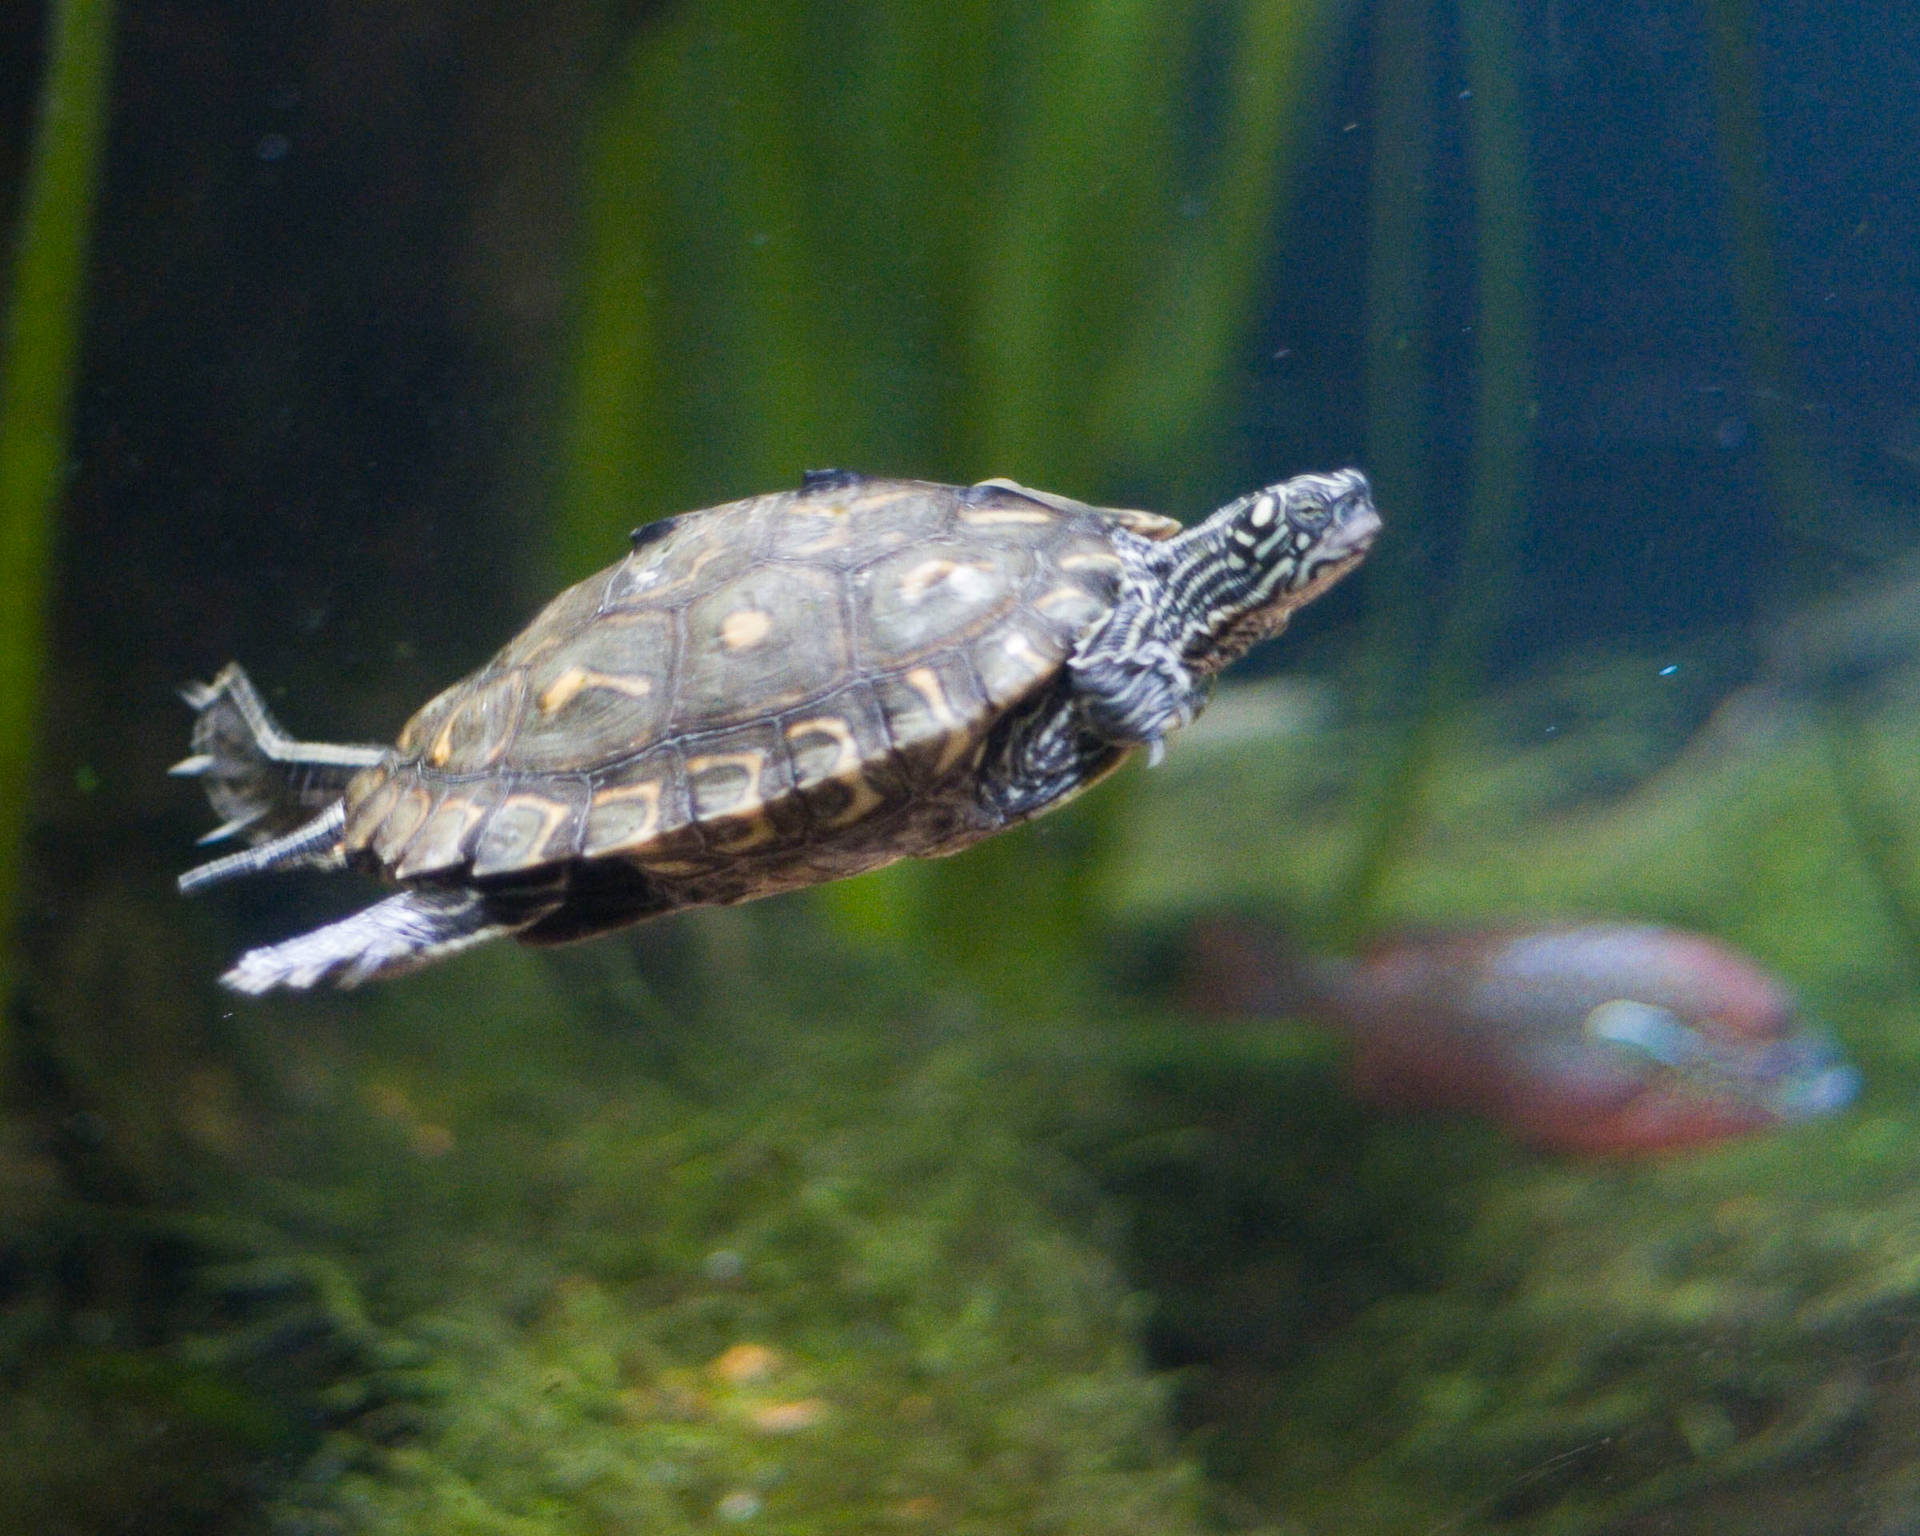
[{"x": 1237, "y": 577}]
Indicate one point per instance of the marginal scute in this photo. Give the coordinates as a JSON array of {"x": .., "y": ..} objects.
[
  {"x": 843, "y": 766},
  {"x": 1012, "y": 660},
  {"x": 368, "y": 800},
  {"x": 729, "y": 799},
  {"x": 933, "y": 713},
  {"x": 396, "y": 829},
  {"x": 529, "y": 828},
  {"x": 622, "y": 818},
  {"x": 443, "y": 843}
]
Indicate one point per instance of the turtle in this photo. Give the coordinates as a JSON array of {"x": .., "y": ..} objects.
[{"x": 761, "y": 696}]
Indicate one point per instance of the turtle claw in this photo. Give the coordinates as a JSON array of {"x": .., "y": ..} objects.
[
  {"x": 231, "y": 828},
  {"x": 192, "y": 767}
]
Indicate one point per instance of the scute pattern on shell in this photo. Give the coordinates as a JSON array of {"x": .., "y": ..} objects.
[{"x": 764, "y": 693}]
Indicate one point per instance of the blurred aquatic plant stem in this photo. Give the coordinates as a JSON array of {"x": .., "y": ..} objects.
[
  {"x": 1797, "y": 480},
  {"x": 45, "y": 310},
  {"x": 1504, "y": 363}
]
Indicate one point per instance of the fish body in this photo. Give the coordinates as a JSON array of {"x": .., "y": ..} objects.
[{"x": 1591, "y": 1037}]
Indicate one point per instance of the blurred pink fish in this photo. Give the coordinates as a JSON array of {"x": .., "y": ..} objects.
[{"x": 1596, "y": 1037}]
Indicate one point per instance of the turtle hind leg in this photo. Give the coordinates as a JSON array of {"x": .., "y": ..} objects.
[
  {"x": 389, "y": 938},
  {"x": 315, "y": 845},
  {"x": 262, "y": 782}
]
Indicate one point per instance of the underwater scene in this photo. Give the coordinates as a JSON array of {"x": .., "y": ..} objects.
[{"x": 664, "y": 865}]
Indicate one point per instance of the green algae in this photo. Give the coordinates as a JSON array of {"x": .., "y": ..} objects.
[{"x": 786, "y": 1268}]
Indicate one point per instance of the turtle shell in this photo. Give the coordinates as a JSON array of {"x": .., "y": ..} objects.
[{"x": 782, "y": 690}]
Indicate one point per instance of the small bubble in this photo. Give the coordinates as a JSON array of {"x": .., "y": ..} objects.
[
  {"x": 1466, "y": 95},
  {"x": 273, "y": 146},
  {"x": 737, "y": 1507},
  {"x": 1669, "y": 669}
]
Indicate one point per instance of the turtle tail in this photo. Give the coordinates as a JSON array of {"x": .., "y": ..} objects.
[
  {"x": 391, "y": 937},
  {"x": 263, "y": 784}
]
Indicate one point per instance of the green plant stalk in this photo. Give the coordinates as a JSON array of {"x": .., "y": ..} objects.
[
  {"x": 1502, "y": 436},
  {"x": 613, "y": 469},
  {"x": 36, "y": 392},
  {"x": 1169, "y": 382},
  {"x": 1399, "y": 364},
  {"x": 1881, "y": 840},
  {"x": 1735, "y": 73}
]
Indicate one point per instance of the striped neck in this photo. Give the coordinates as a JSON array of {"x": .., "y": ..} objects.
[{"x": 1236, "y": 578}]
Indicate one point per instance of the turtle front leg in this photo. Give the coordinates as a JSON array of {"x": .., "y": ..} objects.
[{"x": 1131, "y": 685}]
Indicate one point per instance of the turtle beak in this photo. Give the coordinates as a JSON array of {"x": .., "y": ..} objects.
[
  {"x": 1356, "y": 523},
  {"x": 1354, "y": 535}
]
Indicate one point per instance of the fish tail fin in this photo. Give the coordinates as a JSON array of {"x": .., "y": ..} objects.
[{"x": 1238, "y": 966}]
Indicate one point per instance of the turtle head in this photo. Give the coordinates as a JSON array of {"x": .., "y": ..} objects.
[{"x": 1237, "y": 578}]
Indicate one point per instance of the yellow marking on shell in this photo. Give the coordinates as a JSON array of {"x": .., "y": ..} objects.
[
  {"x": 745, "y": 627},
  {"x": 1017, "y": 644},
  {"x": 551, "y": 814},
  {"x": 1067, "y": 598},
  {"x": 672, "y": 866},
  {"x": 1091, "y": 560},
  {"x": 875, "y": 500},
  {"x": 631, "y": 816},
  {"x": 987, "y": 515},
  {"x": 835, "y": 730},
  {"x": 753, "y": 832},
  {"x": 576, "y": 680},
  {"x": 442, "y": 748},
  {"x": 438, "y": 844},
  {"x": 405, "y": 819},
  {"x": 561, "y": 691},
  {"x": 968, "y": 581},
  {"x": 739, "y": 823},
  {"x": 750, "y": 763},
  {"x": 836, "y": 536},
  {"x": 925, "y": 682},
  {"x": 862, "y": 797},
  {"x": 844, "y": 770},
  {"x": 914, "y": 585}
]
